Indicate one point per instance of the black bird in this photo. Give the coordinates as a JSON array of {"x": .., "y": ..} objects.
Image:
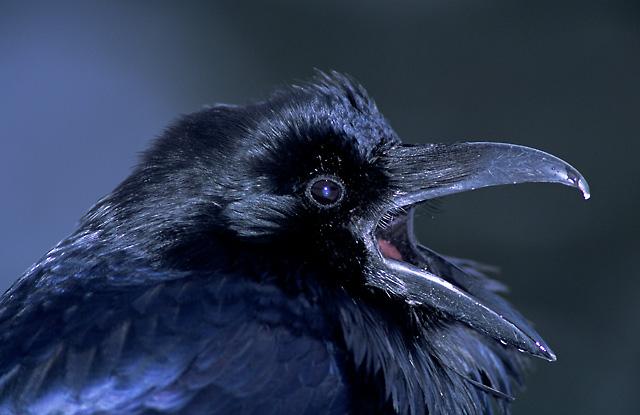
[{"x": 261, "y": 259}]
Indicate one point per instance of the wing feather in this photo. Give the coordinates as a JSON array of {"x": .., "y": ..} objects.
[{"x": 193, "y": 344}]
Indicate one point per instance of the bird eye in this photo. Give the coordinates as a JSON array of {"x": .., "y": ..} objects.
[{"x": 325, "y": 191}]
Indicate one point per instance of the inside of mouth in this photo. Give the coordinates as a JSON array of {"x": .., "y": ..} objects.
[
  {"x": 394, "y": 235},
  {"x": 389, "y": 250}
]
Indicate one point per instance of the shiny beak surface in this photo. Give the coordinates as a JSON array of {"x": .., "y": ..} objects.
[{"x": 425, "y": 278}]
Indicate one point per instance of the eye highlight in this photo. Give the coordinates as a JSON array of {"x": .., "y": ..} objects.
[{"x": 325, "y": 191}]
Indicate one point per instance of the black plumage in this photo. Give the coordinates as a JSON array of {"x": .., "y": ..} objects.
[{"x": 260, "y": 259}]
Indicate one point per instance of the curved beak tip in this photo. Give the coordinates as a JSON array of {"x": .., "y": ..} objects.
[
  {"x": 575, "y": 179},
  {"x": 584, "y": 188}
]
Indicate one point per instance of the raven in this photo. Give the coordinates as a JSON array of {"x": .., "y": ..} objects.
[{"x": 261, "y": 259}]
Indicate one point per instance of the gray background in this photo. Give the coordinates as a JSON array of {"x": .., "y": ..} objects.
[{"x": 83, "y": 88}]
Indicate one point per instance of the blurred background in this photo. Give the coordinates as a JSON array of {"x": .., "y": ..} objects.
[{"x": 84, "y": 88}]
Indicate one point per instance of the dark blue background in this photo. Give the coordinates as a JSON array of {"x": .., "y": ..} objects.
[{"x": 83, "y": 88}]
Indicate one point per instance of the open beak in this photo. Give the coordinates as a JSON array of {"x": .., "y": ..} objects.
[{"x": 425, "y": 278}]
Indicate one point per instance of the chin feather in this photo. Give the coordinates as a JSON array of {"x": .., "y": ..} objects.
[{"x": 439, "y": 367}]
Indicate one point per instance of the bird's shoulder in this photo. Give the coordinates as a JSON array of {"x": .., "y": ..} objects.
[{"x": 86, "y": 338}]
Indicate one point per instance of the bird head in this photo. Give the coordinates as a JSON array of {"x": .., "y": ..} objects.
[{"x": 315, "y": 176}]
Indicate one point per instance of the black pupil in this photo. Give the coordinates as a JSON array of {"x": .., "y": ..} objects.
[{"x": 326, "y": 191}]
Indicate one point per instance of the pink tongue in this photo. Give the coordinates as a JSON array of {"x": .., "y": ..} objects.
[{"x": 388, "y": 250}]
